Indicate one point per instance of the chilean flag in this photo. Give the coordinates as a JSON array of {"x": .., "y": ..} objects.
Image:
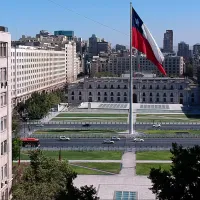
[{"x": 144, "y": 42}]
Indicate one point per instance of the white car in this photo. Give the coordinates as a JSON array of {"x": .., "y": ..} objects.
[
  {"x": 114, "y": 138},
  {"x": 64, "y": 138},
  {"x": 39, "y": 125},
  {"x": 108, "y": 142},
  {"x": 156, "y": 125},
  {"x": 138, "y": 140}
]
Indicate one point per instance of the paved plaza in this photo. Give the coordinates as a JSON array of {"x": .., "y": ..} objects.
[{"x": 106, "y": 185}]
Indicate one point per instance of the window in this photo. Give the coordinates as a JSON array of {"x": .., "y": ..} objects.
[
  {"x": 143, "y": 87},
  {"x": 111, "y": 94},
  {"x": 111, "y": 87},
  {"x": 5, "y": 170},
  {"x": 90, "y": 87},
  {"x": 134, "y": 87},
  {"x": 181, "y": 87},
  {"x": 164, "y": 88},
  {"x": 150, "y": 94},
  {"x": 90, "y": 93},
  {"x": 3, "y": 49},
  {"x": 171, "y": 100},
  {"x": 118, "y": 98},
  {"x": 72, "y": 97},
  {"x": 105, "y": 98},
  {"x": 143, "y": 94},
  {"x": 125, "y": 94},
  {"x": 98, "y": 87},
  {"x": 157, "y": 99},
  {"x": 125, "y": 98},
  {"x": 105, "y": 93},
  {"x": 3, "y": 123},
  {"x": 80, "y": 98},
  {"x": 99, "y": 94},
  {"x": 125, "y": 87},
  {"x": 118, "y": 94},
  {"x": 157, "y": 87},
  {"x": 164, "y": 99},
  {"x": 118, "y": 87},
  {"x": 2, "y": 148},
  {"x": 90, "y": 99},
  {"x": 105, "y": 87},
  {"x": 73, "y": 93},
  {"x": 150, "y": 99},
  {"x": 150, "y": 87},
  {"x": 79, "y": 93},
  {"x": 5, "y": 146},
  {"x": 181, "y": 95},
  {"x": 172, "y": 87},
  {"x": 3, "y": 74},
  {"x": 3, "y": 99},
  {"x": 143, "y": 99},
  {"x": 99, "y": 98},
  {"x": 112, "y": 99},
  {"x": 171, "y": 95},
  {"x": 164, "y": 95},
  {"x": 157, "y": 94}
]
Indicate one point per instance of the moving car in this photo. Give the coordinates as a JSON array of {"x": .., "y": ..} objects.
[
  {"x": 156, "y": 125},
  {"x": 39, "y": 125},
  {"x": 64, "y": 138},
  {"x": 86, "y": 125},
  {"x": 138, "y": 140},
  {"x": 108, "y": 142},
  {"x": 114, "y": 138}
]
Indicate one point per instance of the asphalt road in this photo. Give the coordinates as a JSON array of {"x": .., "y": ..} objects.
[
  {"x": 148, "y": 142},
  {"x": 121, "y": 126}
]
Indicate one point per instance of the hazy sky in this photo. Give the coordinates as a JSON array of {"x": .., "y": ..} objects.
[{"x": 30, "y": 16}]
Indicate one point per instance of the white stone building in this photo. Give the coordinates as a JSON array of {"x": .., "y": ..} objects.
[
  {"x": 118, "y": 65},
  {"x": 145, "y": 90},
  {"x": 34, "y": 69},
  {"x": 5, "y": 115}
]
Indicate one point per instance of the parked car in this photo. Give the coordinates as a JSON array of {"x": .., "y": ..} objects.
[
  {"x": 39, "y": 125},
  {"x": 64, "y": 138},
  {"x": 156, "y": 125},
  {"x": 114, "y": 138},
  {"x": 138, "y": 140},
  {"x": 108, "y": 142},
  {"x": 86, "y": 125}
]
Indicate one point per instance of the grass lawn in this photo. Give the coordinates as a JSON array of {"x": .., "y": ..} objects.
[
  {"x": 170, "y": 131},
  {"x": 144, "y": 168},
  {"x": 167, "y": 118},
  {"x": 84, "y": 171},
  {"x": 153, "y": 155},
  {"x": 108, "y": 167},
  {"x": 92, "y": 119},
  {"x": 90, "y": 115},
  {"x": 80, "y": 155},
  {"x": 74, "y": 131}
]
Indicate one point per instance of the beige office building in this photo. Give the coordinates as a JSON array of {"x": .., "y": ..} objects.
[
  {"x": 5, "y": 115},
  {"x": 35, "y": 70}
]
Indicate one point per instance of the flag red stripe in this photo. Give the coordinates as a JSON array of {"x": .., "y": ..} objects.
[{"x": 142, "y": 44}]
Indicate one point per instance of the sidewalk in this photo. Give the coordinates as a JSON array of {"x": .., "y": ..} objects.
[
  {"x": 81, "y": 161},
  {"x": 49, "y": 117},
  {"x": 153, "y": 161}
]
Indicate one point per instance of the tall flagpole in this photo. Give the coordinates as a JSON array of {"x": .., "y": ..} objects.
[{"x": 131, "y": 78}]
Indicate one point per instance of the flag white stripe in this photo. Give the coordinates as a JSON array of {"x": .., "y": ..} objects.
[{"x": 156, "y": 50}]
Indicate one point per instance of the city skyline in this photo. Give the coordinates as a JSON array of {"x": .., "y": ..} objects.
[{"x": 153, "y": 16}]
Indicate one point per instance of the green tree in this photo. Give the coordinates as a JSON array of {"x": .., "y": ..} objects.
[
  {"x": 182, "y": 181},
  {"x": 16, "y": 145},
  {"x": 48, "y": 179},
  {"x": 189, "y": 70}
]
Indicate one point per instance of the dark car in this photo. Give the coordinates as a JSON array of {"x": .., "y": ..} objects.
[{"x": 86, "y": 125}]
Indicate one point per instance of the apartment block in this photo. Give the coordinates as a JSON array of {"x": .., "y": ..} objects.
[
  {"x": 34, "y": 69},
  {"x": 174, "y": 65},
  {"x": 5, "y": 115}
]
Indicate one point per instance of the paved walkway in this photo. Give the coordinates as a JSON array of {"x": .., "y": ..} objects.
[
  {"x": 153, "y": 161},
  {"x": 128, "y": 164}
]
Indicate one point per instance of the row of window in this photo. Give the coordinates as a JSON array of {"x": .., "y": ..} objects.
[
  {"x": 4, "y": 172},
  {"x": 4, "y": 195},
  {"x": 134, "y": 87},
  {"x": 36, "y": 54}
]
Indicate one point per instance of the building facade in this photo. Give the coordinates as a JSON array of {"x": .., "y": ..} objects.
[
  {"x": 196, "y": 49},
  {"x": 103, "y": 46},
  {"x": 5, "y": 115},
  {"x": 174, "y": 65},
  {"x": 120, "y": 47},
  {"x": 68, "y": 34},
  {"x": 146, "y": 90},
  {"x": 168, "y": 41},
  {"x": 183, "y": 50},
  {"x": 93, "y": 45},
  {"x": 35, "y": 70}
]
